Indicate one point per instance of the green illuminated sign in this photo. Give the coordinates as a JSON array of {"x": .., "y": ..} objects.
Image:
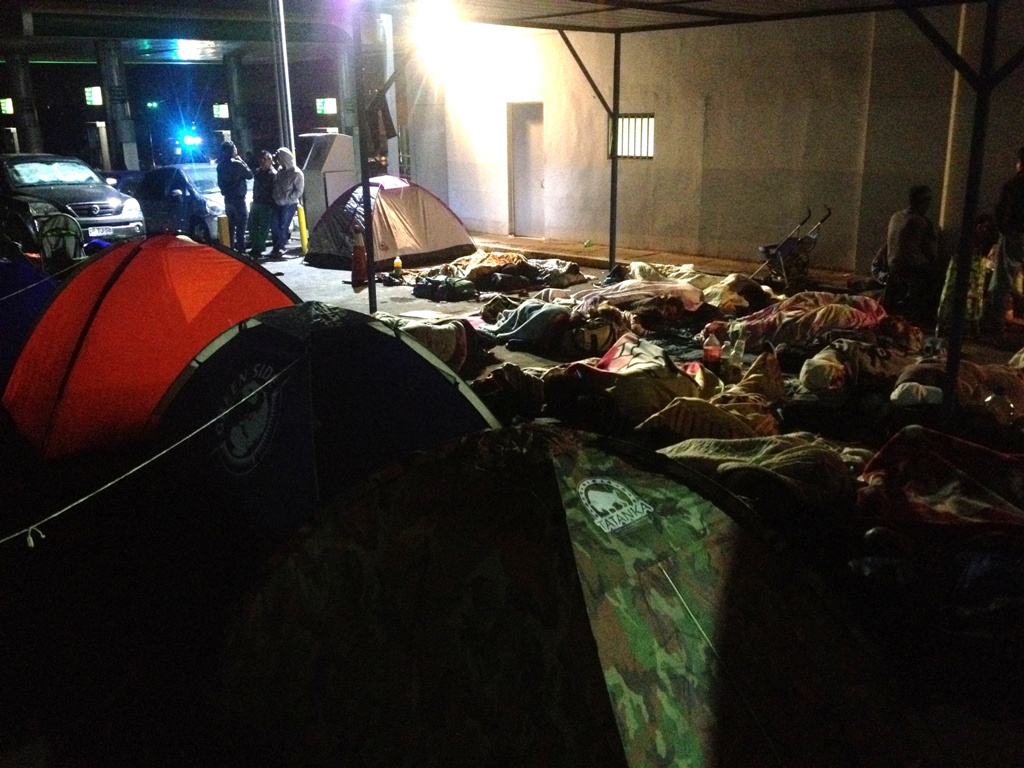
[
  {"x": 94, "y": 96},
  {"x": 152, "y": 104},
  {"x": 221, "y": 111},
  {"x": 327, "y": 106},
  {"x": 7, "y": 106}
]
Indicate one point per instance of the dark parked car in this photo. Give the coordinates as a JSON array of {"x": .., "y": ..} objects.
[
  {"x": 34, "y": 187},
  {"x": 183, "y": 198},
  {"x": 123, "y": 181}
]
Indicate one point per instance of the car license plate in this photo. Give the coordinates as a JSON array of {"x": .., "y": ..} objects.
[{"x": 100, "y": 231}]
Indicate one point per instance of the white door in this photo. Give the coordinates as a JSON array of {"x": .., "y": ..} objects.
[{"x": 526, "y": 169}]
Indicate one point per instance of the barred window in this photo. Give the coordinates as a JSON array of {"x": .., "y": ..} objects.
[{"x": 636, "y": 136}]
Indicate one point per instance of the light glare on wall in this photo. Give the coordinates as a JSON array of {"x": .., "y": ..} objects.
[{"x": 435, "y": 33}]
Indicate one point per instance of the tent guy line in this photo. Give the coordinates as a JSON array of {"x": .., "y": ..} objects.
[
  {"x": 721, "y": 660},
  {"x": 46, "y": 279},
  {"x": 34, "y": 527}
]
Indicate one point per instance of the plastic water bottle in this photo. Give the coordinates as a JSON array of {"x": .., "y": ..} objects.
[
  {"x": 713, "y": 354},
  {"x": 726, "y": 365},
  {"x": 397, "y": 269},
  {"x": 739, "y": 348},
  {"x": 1000, "y": 407}
]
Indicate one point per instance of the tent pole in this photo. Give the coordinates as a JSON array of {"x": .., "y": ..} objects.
[
  {"x": 364, "y": 159},
  {"x": 614, "y": 206}
]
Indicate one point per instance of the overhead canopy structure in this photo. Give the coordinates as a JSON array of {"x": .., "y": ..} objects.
[
  {"x": 649, "y": 15},
  {"x": 631, "y": 16},
  {"x": 42, "y": 26}
]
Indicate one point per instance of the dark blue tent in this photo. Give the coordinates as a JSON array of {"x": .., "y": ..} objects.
[
  {"x": 24, "y": 291},
  {"x": 298, "y": 404}
]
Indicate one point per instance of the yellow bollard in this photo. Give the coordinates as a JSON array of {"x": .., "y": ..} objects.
[
  {"x": 223, "y": 232},
  {"x": 303, "y": 234}
]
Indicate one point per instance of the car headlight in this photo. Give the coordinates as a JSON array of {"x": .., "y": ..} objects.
[
  {"x": 41, "y": 209},
  {"x": 131, "y": 207}
]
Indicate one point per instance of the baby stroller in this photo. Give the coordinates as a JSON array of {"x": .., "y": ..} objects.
[{"x": 787, "y": 262}]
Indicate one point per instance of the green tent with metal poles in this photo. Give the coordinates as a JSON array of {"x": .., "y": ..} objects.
[{"x": 539, "y": 596}]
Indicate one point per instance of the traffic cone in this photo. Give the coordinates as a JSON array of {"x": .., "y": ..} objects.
[{"x": 358, "y": 258}]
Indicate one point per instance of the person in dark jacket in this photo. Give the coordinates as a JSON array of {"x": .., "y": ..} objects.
[
  {"x": 262, "y": 204},
  {"x": 232, "y": 174},
  {"x": 913, "y": 284}
]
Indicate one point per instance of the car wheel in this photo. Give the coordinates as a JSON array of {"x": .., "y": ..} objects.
[{"x": 197, "y": 231}]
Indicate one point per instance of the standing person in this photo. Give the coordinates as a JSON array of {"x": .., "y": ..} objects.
[
  {"x": 1006, "y": 281},
  {"x": 262, "y": 204},
  {"x": 983, "y": 247},
  {"x": 288, "y": 187},
  {"x": 912, "y": 286},
  {"x": 232, "y": 173}
]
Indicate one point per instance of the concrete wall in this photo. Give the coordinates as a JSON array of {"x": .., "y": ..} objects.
[{"x": 754, "y": 124}]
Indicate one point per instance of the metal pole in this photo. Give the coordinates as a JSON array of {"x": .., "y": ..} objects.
[
  {"x": 275, "y": 34},
  {"x": 240, "y": 132},
  {"x": 964, "y": 255},
  {"x": 286, "y": 89},
  {"x": 25, "y": 114},
  {"x": 614, "y": 206},
  {"x": 364, "y": 158}
]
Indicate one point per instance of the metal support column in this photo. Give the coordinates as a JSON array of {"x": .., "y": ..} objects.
[
  {"x": 240, "y": 132},
  {"x": 346, "y": 103},
  {"x": 124, "y": 150},
  {"x": 30, "y": 138},
  {"x": 984, "y": 82},
  {"x": 286, "y": 126},
  {"x": 362, "y": 103},
  {"x": 972, "y": 194},
  {"x": 613, "y": 223}
]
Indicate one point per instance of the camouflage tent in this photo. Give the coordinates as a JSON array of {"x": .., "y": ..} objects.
[{"x": 540, "y": 597}]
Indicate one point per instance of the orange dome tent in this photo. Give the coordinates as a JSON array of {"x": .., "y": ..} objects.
[{"x": 116, "y": 336}]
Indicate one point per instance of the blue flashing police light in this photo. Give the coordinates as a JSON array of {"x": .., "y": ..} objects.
[{"x": 191, "y": 141}]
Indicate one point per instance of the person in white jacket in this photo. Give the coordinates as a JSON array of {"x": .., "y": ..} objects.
[{"x": 288, "y": 187}]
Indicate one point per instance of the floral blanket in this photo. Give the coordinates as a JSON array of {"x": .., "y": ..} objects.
[{"x": 803, "y": 317}]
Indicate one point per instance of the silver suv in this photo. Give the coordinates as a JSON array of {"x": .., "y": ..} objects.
[{"x": 34, "y": 187}]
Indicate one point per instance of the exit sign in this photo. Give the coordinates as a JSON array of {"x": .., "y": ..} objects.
[
  {"x": 327, "y": 106},
  {"x": 221, "y": 111},
  {"x": 94, "y": 96},
  {"x": 7, "y": 106}
]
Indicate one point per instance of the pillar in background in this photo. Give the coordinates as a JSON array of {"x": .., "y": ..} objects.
[
  {"x": 30, "y": 135},
  {"x": 240, "y": 131},
  {"x": 347, "y": 121},
  {"x": 124, "y": 152}
]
